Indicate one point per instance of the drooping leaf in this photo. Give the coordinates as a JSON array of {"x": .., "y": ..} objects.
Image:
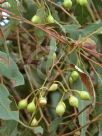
[
  {"x": 9, "y": 69},
  {"x": 98, "y": 108},
  {"x": 83, "y": 116},
  {"x": 87, "y": 82},
  {"x": 5, "y": 111}
]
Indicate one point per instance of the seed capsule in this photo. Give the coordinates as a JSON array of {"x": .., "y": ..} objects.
[
  {"x": 36, "y": 19},
  {"x": 34, "y": 122},
  {"x": 50, "y": 19},
  {"x": 67, "y": 4},
  {"x": 31, "y": 107},
  {"x": 73, "y": 101},
  {"x": 75, "y": 75},
  {"x": 53, "y": 87},
  {"x": 22, "y": 104},
  {"x": 60, "y": 109},
  {"x": 84, "y": 95},
  {"x": 42, "y": 101}
]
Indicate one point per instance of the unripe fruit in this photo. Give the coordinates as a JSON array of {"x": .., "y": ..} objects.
[
  {"x": 42, "y": 101},
  {"x": 84, "y": 95},
  {"x": 53, "y": 87},
  {"x": 73, "y": 101},
  {"x": 36, "y": 19},
  {"x": 75, "y": 75},
  {"x": 22, "y": 104},
  {"x": 34, "y": 122},
  {"x": 60, "y": 109},
  {"x": 31, "y": 107},
  {"x": 67, "y": 4},
  {"x": 50, "y": 19},
  {"x": 82, "y": 2}
]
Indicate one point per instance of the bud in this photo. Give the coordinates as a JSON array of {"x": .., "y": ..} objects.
[
  {"x": 67, "y": 4},
  {"x": 42, "y": 101},
  {"x": 50, "y": 19},
  {"x": 60, "y": 109},
  {"x": 53, "y": 87},
  {"x": 75, "y": 75},
  {"x": 34, "y": 122},
  {"x": 73, "y": 101},
  {"x": 22, "y": 104},
  {"x": 31, "y": 107},
  {"x": 84, "y": 95},
  {"x": 36, "y": 19}
]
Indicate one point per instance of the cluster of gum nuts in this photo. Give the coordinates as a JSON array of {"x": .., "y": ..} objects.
[
  {"x": 67, "y": 4},
  {"x": 61, "y": 107}
]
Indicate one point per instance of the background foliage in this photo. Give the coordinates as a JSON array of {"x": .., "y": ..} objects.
[{"x": 27, "y": 64}]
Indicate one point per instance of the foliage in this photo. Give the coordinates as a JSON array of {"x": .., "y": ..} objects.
[{"x": 51, "y": 59}]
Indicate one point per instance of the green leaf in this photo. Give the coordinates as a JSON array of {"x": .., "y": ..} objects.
[
  {"x": 82, "y": 84},
  {"x": 5, "y": 111},
  {"x": 73, "y": 30},
  {"x": 98, "y": 109},
  {"x": 54, "y": 125},
  {"x": 9, "y": 128},
  {"x": 91, "y": 28},
  {"x": 14, "y": 7},
  {"x": 38, "y": 130},
  {"x": 9, "y": 69},
  {"x": 83, "y": 116}
]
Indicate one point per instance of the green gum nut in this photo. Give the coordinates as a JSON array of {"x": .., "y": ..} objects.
[
  {"x": 67, "y": 4},
  {"x": 73, "y": 101},
  {"x": 36, "y": 19},
  {"x": 75, "y": 75},
  {"x": 50, "y": 19},
  {"x": 53, "y": 87},
  {"x": 34, "y": 122},
  {"x": 84, "y": 95},
  {"x": 42, "y": 101},
  {"x": 31, "y": 107},
  {"x": 60, "y": 108},
  {"x": 22, "y": 104}
]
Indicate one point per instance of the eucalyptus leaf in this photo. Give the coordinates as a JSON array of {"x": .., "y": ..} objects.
[
  {"x": 9, "y": 69},
  {"x": 5, "y": 111}
]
